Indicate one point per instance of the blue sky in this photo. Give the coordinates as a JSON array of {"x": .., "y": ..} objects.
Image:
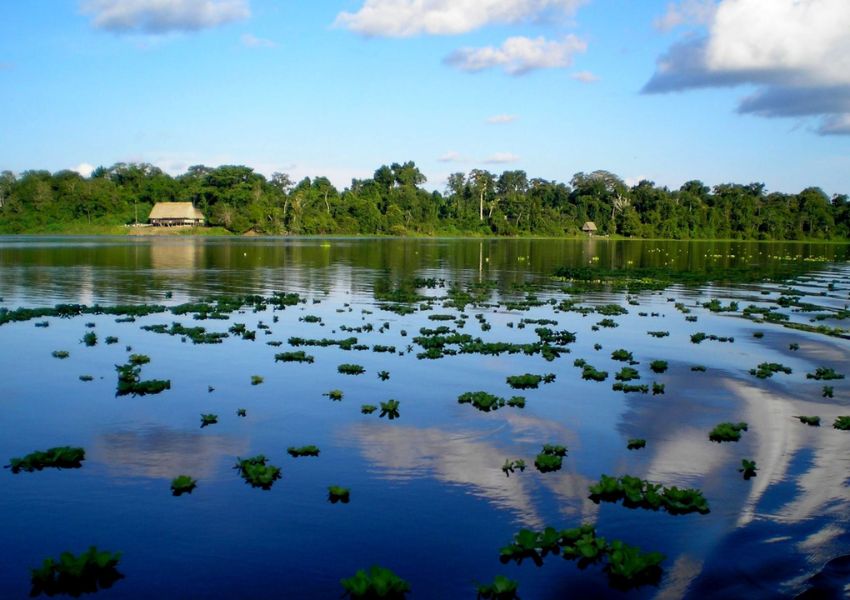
[{"x": 338, "y": 88}]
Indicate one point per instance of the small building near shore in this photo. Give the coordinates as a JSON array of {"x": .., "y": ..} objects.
[
  {"x": 170, "y": 214},
  {"x": 589, "y": 228}
]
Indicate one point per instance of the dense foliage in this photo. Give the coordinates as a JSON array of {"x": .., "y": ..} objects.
[{"x": 393, "y": 202}]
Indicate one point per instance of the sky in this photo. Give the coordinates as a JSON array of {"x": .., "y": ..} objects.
[{"x": 670, "y": 91}]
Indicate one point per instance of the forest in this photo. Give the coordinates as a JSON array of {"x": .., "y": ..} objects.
[{"x": 393, "y": 202}]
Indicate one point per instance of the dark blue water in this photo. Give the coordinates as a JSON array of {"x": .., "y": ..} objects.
[{"x": 428, "y": 497}]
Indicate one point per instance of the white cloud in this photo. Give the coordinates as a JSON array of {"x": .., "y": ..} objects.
[
  {"x": 163, "y": 16},
  {"x": 500, "y": 158},
  {"x": 501, "y": 119},
  {"x": 252, "y": 41},
  {"x": 84, "y": 169},
  {"x": 686, "y": 12},
  {"x": 795, "y": 52},
  {"x": 404, "y": 18},
  {"x": 519, "y": 55},
  {"x": 451, "y": 156},
  {"x": 585, "y": 76}
]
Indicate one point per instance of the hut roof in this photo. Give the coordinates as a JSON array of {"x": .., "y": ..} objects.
[
  {"x": 175, "y": 210},
  {"x": 589, "y": 226}
]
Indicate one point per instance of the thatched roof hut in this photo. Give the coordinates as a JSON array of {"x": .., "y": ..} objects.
[
  {"x": 168, "y": 214},
  {"x": 589, "y": 227}
]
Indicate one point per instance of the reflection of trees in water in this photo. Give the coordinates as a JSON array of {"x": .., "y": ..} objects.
[
  {"x": 164, "y": 453},
  {"x": 473, "y": 459}
]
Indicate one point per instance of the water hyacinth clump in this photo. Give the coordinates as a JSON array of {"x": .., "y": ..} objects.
[
  {"x": 727, "y": 432},
  {"x": 183, "y": 484},
  {"x": 824, "y": 373},
  {"x": 296, "y": 356},
  {"x": 639, "y": 493},
  {"x": 636, "y": 444},
  {"x": 389, "y": 409},
  {"x": 61, "y": 457},
  {"x": 303, "y": 451},
  {"x": 550, "y": 458},
  {"x": 376, "y": 583},
  {"x": 350, "y": 369},
  {"x": 501, "y": 588},
  {"x": 338, "y": 494},
  {"x": 76, "y": 575},
  {"x": 765, "y": 370},
  {"x": 208, "y": 419},
  {"x": 488, "y": 402},
  {"x": 748, "y": 468},
  {"x": 257, "y": 472},
  {"x": 812, "y": 421},
  {"x": 842, "y": 423}
]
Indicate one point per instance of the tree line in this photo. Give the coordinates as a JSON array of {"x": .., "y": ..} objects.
[{"x": 393, "y": 202}]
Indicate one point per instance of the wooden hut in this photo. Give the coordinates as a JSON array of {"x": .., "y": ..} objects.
[
  {"x": 169, "y": 214},
  {"x": 589, "y": 228}
]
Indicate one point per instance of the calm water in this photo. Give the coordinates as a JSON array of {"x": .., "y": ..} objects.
[{"x": 428, "y": 497}]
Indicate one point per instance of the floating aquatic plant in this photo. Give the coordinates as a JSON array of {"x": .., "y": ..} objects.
[
  {"x": 256, "y": 379},
  {"x": 811, "y": 421},
  {"x": 90, "y": 339},
  {"x": 501, "y": 588},
  {"x": 551, "y": 458},
  {"x": 86, "y": 378},
  {"x": 794, "y": 346},
  {"x": 512, "y": 465},
  {"x": 383, "y": 375},
  {"x": 488, "y": 402},
  {"x": 111, "y": 339},
  {"x": 61, "y": 457},
  {"x": 303, "y": 451},
  {"x": 657, "y": 388},
  {"x": 824, "y": 373},
  {"x": 588, "y": 372},
  {"x": 765, "y": 370},
  {"x": 257, "y": 472},
  {"x": 209, "y": 419},
  {"x": 296, "y": 356},
  {"x": 183, "y": 484},
  {"x": 698, "y": 369},
  {"x": 241, "y": 412},
  {"x": 349, "y": 369},
  {"x": 627, "y": 374},
  {"x": 389, "y": 409},
  {"x": 630, "y": 388},
  {"x": 76, "y": 575},
  {"x": 628, "y": 566},
  {"x": 827, "y": 391},
  {"x": 368, "y": 409},
  {"x": 338, "y": 494},
  {"x": 639, "y": 493},
  {"x": 622, "y": 355},
  {"x": 130, "y": 382},
  {"x": 659, "y": 334},
  {"x": 842, "y": 423},
  {"x": 375, "y": 583},
  {"x": 60, "y": 354},
  {"x": 335, "y": 395},
  {"x": 658, "y": 366},
  {"x": 636, "y": 444},
  {"x": 727, "y": 432},
  {"x": 748, "y": 468}
]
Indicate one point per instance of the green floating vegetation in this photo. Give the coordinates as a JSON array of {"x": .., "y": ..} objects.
[
  {"x": 810, "y": 421},
  {"x": 335, "y": 395},
  {"x": 627, "y": 374},
  {"x": 715, "y": 306},
  {"x": 825, "y": 374},
  {"x": 42, "y": 324},
  {"x": 343, "y": 344},
  {"x": 86, "y": 378},
  {"x": 794, "y": 346},
  {"x": 183, "y": 484},
  {"x": 529, "y": 380},
  {"x": 383, "y": 375},
  {"x": 368, "y": 409},
  {"x": 698, "y": 369},
  {"x": 296, "y": 356},
  {"x": 257, "y": 472},
  {"x": 138, "y": 359},
  {"x": 550, "y": 458},
  {"x": 727, "y": 432},
  {"x": 659, "y": 334},
  {"x": 501, "y": 588},
  {"x": 198, "y": 335},
  {"x": 622, "y": 355},
  {"x": 310, "y": 319},
  {"x": 90, "y": 339},
  {"x": 658, "y": 366},
  {"x": 61, "y": 457},
  {"x": 765, "y": 370},
  {"x": 748, "y": 468},
  {"x": 758, "y": 335},
  {"x": 375, "y": 583},
  {"x": 241, "y": 412},
  {"x": 349, "y": 369},
  {"x": 60, "y": 354},
  {"x": 76, "y": 575},
  {"x": 338, "y": 494},
  {"x": 842, "y": 423},
  {"x": 636, "y": 444},
  {"x": 111, "y": 339},
  {"x": 488, "y": 402},
  {"x": 130, "y": 382},
  {"x": 629, "y": 388},
  {"x": 389, "y": 409},
  {"x": 827, "y": 391},
  {"x": 256, "y": 379},
  {"x": 209, "y": 419},
  {"x": 610, "y": 323},
  {"x": 591, "y": 374},
  {"x": 639, "y": 493},
  {"x": 657, "y": 388},
  {"x": 303, "y": 451},
  {"x": 626, "y": 566},
  {"x": 700, "y": 337},
  {"x": 513, "y": 465}
]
